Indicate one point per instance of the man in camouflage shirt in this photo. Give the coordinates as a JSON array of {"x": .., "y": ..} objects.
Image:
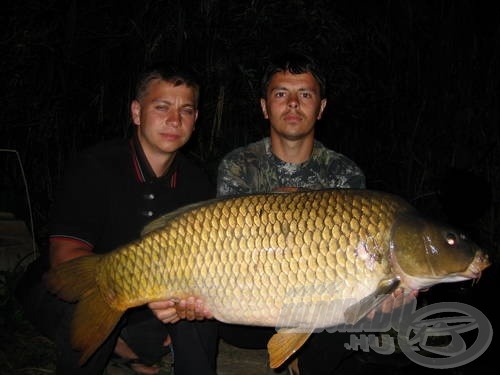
[
  {"x": 255, "y": 168},
  {"x": 293, "y": 99}
]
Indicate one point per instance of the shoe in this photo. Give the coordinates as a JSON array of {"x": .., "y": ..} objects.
[
  {"x": 128, "y": 366},
  {"x": 293, "y": 367}
]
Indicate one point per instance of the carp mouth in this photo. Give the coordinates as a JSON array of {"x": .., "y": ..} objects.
[{"x": 479, "y": 264}]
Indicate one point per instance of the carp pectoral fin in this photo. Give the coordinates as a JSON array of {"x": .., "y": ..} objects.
[
  {"x": 283, "y": 344},
  {"x": 356, "y": 312}
]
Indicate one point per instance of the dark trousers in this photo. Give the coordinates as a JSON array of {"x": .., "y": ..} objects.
[
  {"x": 194, "y": 342},
  {"x": 322, "y": 354},
  {"x": 195, "y": 347},
  {"x": 246, "y": 337}
]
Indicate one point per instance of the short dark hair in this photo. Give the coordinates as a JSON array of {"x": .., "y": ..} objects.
[
  {"x": 168, "y": 73},
  {"x": 296, "y": 63}
]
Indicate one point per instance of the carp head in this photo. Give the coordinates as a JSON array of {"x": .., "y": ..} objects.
[{"x": 425, "y": 253}]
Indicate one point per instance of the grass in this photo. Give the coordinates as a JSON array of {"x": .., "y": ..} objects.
[{"x": 23, "y": 350}]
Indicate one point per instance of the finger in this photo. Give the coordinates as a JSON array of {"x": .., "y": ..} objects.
[
  {"x": 181, "y": 309},
  {"x": 371, "y": 314},
  {"x": 199, "y": 310},
  {"x": 202, "y": 310},
  {"x": 190, "y": 309},
  {"x": 169, "y": 315},
  {"x": 161, "y": 304},
  {"x": 387, "y": 305}
]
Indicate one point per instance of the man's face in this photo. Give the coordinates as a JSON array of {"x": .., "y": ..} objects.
[
  {"x": 293, "y": 104},
  {"x": 165, "y": 117}
]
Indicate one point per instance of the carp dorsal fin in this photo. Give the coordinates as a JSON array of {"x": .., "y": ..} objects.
[
  {"x": 354, "y": 313},
  {"x": 286, "y": 189},
  {"x": 283, "y": 344},
  {"x": 161, "y": 221}
]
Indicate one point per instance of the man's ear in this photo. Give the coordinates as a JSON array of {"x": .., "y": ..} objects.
[
  {"x": 135, "y": 112},
  {"x": 321, "y": 108},
  {"x": 264, "y": 108}
]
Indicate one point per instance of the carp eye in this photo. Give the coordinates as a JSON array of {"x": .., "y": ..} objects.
[{"x": 451, "y": 238}]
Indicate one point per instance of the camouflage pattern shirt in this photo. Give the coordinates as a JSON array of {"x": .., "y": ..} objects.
[{"x": 254, "y": 168}]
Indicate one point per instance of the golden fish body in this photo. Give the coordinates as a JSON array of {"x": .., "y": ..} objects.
[
  {"x": 249, "y": 256},
  {"x": 301, "y": 260}
]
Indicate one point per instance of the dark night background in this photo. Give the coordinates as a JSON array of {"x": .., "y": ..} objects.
[{"x": 413, "y": 92}]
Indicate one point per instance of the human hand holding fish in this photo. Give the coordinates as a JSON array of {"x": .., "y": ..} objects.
[
  {"x": 173, "y": 310},
  {"x": 397, "y": 299},
  {"x": 298, "y": 261}
]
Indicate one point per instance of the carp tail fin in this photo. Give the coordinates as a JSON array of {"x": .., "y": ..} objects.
[
  {"x": 93, "y": 318},
  {"x": 74, "y": 278},
  {"x": 93, "y": 321},
  {"x": 283, "y": 345}
]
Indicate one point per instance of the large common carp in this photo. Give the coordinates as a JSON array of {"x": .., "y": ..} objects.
[{"x": 269, "y": 260}]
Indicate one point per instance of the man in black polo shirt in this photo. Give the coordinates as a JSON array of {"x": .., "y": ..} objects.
[{"x": 108, "y": 195}]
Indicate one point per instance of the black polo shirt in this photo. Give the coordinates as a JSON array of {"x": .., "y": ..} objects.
[{"x": 110, "y": 193}]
